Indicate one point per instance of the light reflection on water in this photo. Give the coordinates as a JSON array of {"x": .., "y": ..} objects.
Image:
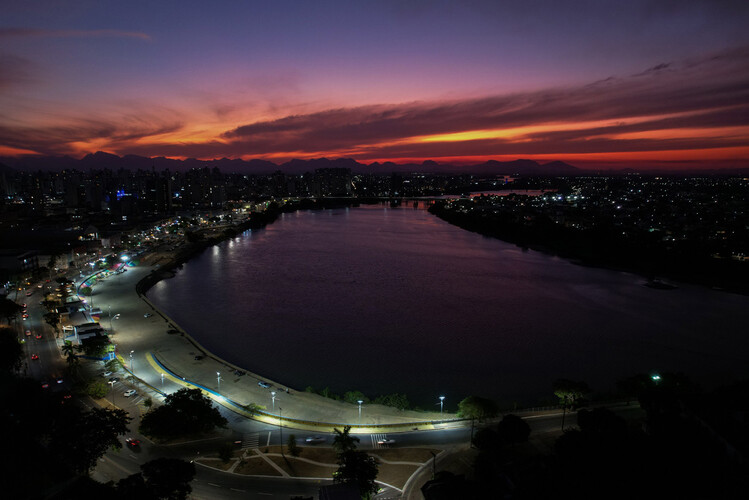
[{"x": 395, "y": 300}]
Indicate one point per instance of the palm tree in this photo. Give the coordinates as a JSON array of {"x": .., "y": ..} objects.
[
  {"x": 343, "y": 441},
  {"x": 69, "y": 351}
]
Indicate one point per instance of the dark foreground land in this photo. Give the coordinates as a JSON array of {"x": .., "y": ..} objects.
[{"x": 692, "y": 230}]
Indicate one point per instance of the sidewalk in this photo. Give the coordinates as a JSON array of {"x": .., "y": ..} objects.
[{"x": 155, "y": 352}]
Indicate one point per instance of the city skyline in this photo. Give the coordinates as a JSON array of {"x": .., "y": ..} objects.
[{"x": 646, "y": 85}]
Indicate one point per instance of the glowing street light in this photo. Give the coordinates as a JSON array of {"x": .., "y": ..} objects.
[
  {"x": 442, "y": 403},
  {"x": 273, "y": 399}
]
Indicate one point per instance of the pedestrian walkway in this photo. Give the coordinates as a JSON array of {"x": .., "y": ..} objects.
[
  {"x": 252, "y": 440},
  {"x": 159, "y": 351}
]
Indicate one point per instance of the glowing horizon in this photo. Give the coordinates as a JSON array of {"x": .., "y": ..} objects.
[{"x": 381, "y": 82}]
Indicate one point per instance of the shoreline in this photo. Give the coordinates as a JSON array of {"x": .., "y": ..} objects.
[
  {"x": 314, "y": 409},
  {"x": 737, "y": 286}
]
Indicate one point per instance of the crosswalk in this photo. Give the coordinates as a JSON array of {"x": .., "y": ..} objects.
[
  {"x": 255, "y": 439},
  {"x": 378, "y": 437}
]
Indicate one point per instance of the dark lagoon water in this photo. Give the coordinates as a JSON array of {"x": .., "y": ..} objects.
[{"x": 395, "y": 300}]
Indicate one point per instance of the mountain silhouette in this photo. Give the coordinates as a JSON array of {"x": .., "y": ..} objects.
[{"x": 103, "y": 160}]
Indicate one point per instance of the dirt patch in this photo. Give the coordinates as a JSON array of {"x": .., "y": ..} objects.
[
  {"x": 256, "y": 466},
  {"x": 217, "y": 464},
  {"x": 395, "y": 475},
  {"x": 324, "y": 455},
  {"x": 300, "y": 468},
  {"x": 420, "y": 455}
]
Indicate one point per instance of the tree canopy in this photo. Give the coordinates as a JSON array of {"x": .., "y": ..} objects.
[
  {"x": 354, "y": 467},
  {"x": 11, "y": 353},
  {"x": 513, "y": 429},
  {"x": 9, "y": 309},
  {"x": 359, "y": 469},
  {"x": 477, "y": 407},
  {"x": 184, "y": 412},
  {"x": 81, "y": 438},
  {"x": 570, "y": 393}
]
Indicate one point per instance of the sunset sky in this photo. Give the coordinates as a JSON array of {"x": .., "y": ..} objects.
[{"x": 594, "y": 83}]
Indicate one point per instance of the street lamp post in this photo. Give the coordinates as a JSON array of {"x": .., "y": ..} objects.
[
  {"x": 280, "y": 428},
  {"x": 360, "y": 402},
  {"x": 218, "y": 380},
  {"x": 162, "y": 382},
  {"x": 442, "y": 403},
  {"x": 131, "y": 364},
  {"x": 273, "y": 399},
  {"x": 111, "y": 384}
]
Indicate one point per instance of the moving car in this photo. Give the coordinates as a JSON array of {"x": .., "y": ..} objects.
[
  {"x": 386, "y": 441},
  {"x": 314, "y": 439},
  {"x": 38, "y": 335},
  {"x": 133, "y": 443},
  {"x": 130, "y": 392},
  {"x": 28, "y": 333},
  {"x": 34, "y": 356}
]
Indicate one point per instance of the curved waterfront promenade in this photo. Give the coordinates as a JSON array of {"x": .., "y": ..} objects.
[{"x": 156, "y": 352}]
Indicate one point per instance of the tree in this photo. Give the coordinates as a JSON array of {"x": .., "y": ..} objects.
[
  {"x": 570, "y": 394},
  {"x": 357, "y": 468},
  {"x": 95, "y": 346},
  {"x": 225, "y": 451},
  {"x": 97, "y": 388},
  {"x": 11, "y": 352},
  {"x": 477, "y": 407},
  {"x": 254, "y": 408},
  {"x": 79, "y": 439},
  {"x": 87, "y": 291},
  {"x": 184, "y": 412},
  {"x": 68, "y": 350},
  {"x": 162, "y": 478},
  {"x": 112, "y": 364},
  {"x": 344, "y": 441},
  {"x": 9, "y": 309},
  {"x": 52, "y": 319},
  {"x": 513, "y": 429},
  {"x": 354, "y": 397},
  {"x": 294, "y": 448},
  {"x": 395, "y": 400},
  {"x": 169, "y": 478}
]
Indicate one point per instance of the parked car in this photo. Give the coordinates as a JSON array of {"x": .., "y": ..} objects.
[
  {"x": 264, "y": 385},
  {"x": 106, "y": 373},
  {"x": 147, "y": 315},
  {"x": 199, "y": 357},
  {"x": 130, "y": 392}
]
